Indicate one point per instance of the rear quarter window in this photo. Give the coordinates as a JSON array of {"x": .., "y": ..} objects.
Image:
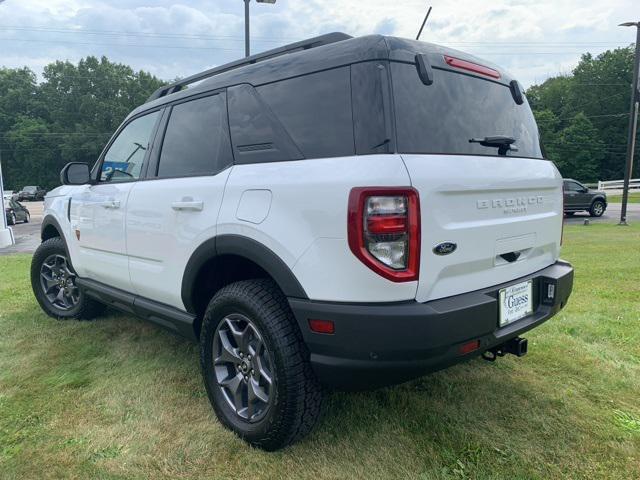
[
  {"x": 441, "y": 118},
  {"x": 315, "y": 110}
]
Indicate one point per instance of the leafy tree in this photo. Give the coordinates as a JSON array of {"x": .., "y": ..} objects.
[
  {"x": 580, "y": 150},
  {"x": 68, "y": 117},
  {"x": 599, "y": 88}
]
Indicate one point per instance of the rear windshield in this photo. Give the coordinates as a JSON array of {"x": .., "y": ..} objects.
[{"x": 443, "y": 116}]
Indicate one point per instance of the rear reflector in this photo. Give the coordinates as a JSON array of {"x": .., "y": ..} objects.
[
  {"x": 322, "y": 326},
  {"x": 470, "y": 66},
  {"x": 469, "y": 347}
]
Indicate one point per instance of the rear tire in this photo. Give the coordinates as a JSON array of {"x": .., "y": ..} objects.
[
  {"x": 287, "y": 406},
  {"x": 52, "y": 273},
  {"x": 569, "y": 214},
  {"x": 597, "y": 208}
]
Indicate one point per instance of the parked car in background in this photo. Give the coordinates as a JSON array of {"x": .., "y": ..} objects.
[
  {"x": 15, "y": 212},
  {"x": 32, "y": 193},
  {"x": 579, "y": 198}
]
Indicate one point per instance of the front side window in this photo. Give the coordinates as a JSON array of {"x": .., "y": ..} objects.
[
  {"x": 196, "y": 141},
  {"x": 123, "y": 161},
  {"x": 573, "y": 187}
]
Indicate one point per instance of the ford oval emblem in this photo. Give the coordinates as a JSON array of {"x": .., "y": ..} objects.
[{"x": 445, "y": 248}]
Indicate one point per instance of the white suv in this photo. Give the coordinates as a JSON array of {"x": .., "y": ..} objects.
[{"x": 342, "y": 212}]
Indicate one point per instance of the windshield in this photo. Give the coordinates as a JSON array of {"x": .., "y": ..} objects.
[
  {"x": 444, "y": 116},
  {"x": 30, "y": 189}
]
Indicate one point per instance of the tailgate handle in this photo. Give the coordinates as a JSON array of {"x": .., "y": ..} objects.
[{"x": 511, "y": 256}]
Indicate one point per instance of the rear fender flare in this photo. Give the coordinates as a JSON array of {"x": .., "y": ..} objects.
[{"x": 244, "y": 247}]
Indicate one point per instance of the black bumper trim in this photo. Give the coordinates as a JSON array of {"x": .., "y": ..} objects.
[{"x": 385, "y": 343}]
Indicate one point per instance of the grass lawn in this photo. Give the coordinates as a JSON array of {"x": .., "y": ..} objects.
[
  {"x": 117, "y": 398},
  {"x": 634, "y": 197}
]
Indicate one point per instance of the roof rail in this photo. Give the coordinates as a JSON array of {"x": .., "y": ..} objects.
[{"x": 276, "y": 52}]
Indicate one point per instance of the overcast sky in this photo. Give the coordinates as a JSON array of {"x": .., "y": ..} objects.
[{"x": 533, "y": 39}]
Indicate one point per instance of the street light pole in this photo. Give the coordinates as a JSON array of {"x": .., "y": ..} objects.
[
  {"x": 633, "y": 124},
  {"x": 247, "y": 49}
]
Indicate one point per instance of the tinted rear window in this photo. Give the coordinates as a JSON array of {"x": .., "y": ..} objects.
[{"x": 442, "y": 117}]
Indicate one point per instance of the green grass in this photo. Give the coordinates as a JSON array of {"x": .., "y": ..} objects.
[
  {"x": 117, "y": 398},
  {"x": 634, "y": 197}
]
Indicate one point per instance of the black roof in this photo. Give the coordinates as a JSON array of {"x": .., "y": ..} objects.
[{"x": 316, "y": 54}]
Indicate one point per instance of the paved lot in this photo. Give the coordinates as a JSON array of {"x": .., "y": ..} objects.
[
  {"x": 612, "y": 215},
  {"x": 28, "y": 235}
]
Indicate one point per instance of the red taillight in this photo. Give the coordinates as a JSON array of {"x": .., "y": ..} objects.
[
  {"x": 322, "y": 326},
  {"x": 387, "y": 224},
  {"x": 472, "y": 67},
  {"x": 384, "y": 230}
]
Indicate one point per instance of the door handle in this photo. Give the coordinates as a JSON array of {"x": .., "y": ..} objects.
[
  {"x": 113, "y": 204},
  {"x": 193, "y": 205}
]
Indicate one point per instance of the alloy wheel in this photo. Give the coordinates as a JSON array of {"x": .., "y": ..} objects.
[
  {"x": 243, "y": 367},
  {"x": 598, "y": 208},
  {"x": 59, "y": 282}
]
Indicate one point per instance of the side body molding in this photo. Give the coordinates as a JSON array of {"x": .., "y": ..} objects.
[{"x": 244, "y": 247}]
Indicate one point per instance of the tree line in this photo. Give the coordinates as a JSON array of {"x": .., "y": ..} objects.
[
  {"x": 71, "y": 114},
  {"x": 583, "y": 117}
]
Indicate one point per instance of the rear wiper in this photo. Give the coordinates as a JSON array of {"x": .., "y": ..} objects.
[{"x": 502, "y": 143}]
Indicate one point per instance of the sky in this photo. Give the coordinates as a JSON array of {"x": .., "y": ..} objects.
[{"x": 532, "y": 39}]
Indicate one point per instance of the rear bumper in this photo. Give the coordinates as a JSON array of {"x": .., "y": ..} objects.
[{"x": 382, "y": 344}]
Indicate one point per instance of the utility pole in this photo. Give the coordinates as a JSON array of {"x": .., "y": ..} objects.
[
  {"x": 633, "y": 124},
  {"x": 247, "y": 49}
]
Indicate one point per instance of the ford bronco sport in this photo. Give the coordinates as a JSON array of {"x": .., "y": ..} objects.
[{"x": 342, "y": 212}]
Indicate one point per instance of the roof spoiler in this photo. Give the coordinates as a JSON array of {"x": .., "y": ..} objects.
[{"x": 276, "y": 52}]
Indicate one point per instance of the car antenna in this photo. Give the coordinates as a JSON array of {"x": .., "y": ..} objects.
[{"x": 423, "y": 23}]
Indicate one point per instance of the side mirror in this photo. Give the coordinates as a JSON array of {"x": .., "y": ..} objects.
[{"x": 75, "y": 173}]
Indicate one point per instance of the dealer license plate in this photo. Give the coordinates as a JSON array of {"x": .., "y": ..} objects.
[{"x": 516, "y": 302}]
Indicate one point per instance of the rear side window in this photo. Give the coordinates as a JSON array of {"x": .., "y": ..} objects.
[
  {"x": 443, "y": 116},
  {"x": 315, "y": 110},
  {"x": 196, "y": 141}
]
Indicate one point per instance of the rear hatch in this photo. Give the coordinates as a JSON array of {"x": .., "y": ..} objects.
[{"x": 489, "y": 214}]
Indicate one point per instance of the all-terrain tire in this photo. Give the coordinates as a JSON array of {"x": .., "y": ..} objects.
[
  {"x": 86, "y": 308},
  {"x": 297, "y": 395}
]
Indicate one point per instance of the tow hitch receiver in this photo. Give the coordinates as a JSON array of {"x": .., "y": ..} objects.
[{"x": 516, "y": 346}]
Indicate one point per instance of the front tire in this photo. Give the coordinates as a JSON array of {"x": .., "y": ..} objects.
[
  {"x": 53, "y": 281},
  {"x": 597, "y": 208},
  {"x": 256, "y": 366},
  {"x": 27, "y": 218},
  {"x": 12, "y": 219}
]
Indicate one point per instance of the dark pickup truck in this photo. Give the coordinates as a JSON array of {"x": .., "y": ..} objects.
[{"x": 578, "y": 198}]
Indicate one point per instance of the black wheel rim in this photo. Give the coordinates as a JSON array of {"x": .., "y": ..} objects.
[
  {"x": 243, "y": 367},
  {"x": 59, "y": 282}
]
